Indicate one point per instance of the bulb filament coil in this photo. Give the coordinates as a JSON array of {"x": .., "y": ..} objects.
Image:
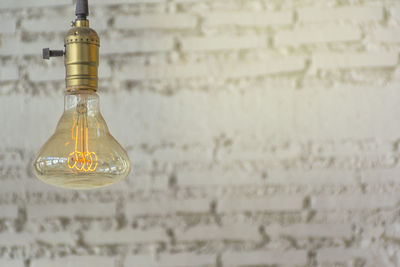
[{"x": 81, "y": 159}]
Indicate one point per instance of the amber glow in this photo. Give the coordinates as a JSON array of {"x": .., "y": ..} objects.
[
  {"x": 81, "y": 154},
  {"x": 81, "y": 158}
]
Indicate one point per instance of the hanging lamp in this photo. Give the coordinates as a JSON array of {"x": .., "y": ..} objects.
[{"x": 81, "y": 154}]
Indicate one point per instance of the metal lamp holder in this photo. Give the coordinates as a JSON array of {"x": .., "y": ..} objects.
[{"x": 81, "y": 52}]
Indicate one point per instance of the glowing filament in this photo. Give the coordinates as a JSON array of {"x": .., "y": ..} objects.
[{"x": 81, "y": 158}]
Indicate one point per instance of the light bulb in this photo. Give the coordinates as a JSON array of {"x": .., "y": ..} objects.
[{"x": 82, "y": 153}]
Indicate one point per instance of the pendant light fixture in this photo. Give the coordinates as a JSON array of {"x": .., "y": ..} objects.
[{"x": 81, "y": 154}]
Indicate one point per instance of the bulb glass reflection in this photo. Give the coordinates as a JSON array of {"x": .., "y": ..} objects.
[{"x": 81, "y": 154}]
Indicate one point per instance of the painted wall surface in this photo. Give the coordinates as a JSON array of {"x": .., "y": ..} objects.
[{"x": 261, "y": 132}]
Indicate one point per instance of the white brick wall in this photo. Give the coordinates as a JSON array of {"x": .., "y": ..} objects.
[{"x": 261, "y": 133}]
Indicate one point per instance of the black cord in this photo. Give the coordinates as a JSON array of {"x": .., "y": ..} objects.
[{"x": 82, "y": 9}]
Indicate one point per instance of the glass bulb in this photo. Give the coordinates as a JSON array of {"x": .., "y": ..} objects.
[{"x": 81, "y": 154}]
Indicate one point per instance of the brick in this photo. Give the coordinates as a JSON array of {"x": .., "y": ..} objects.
[
  {"x": 354, "y": 60},
  {"x": 384, "y": 176},
  {"x": 38, "y": 211},
  {"x": 265, "y": 204},
  {"x": 12, "y": 263},
  {"x": 14, "y": 239},
  {"x": 8, "y": 25},
  {"x": 342, "y": 254},
  {"x": 165, "y": 207},
  {"x": 27, "y": 238},
  {"x": 317, "y": 34},
  {"x": 8, "y": 73},
  {"x": 255, "y": 19},
  {"x": 310, "y": 230},
  {"x": 37, "y": 3},
  {"x": 247, "y": 154},
  {"x": 265, "y": 257},
  {"x": 236, "y": 232},
  {"x": 48, "y": 24},
  {"x": 10, "y": 186},
  {"x": 71, "y": 261},
  {"x": 386, "y": 35},
  {"x": 41, "y": 73},
  {"x": 127, "y": 236},
  {"x": 8, "y": 211},
  {"x": 391, "y": 231},
  {"x": 229, "y": 69},
  {"x": 119, "y": 45},
  {"x": 352, "y": 13},
  {"x": 354, "y": 202},
  {"x": 313, "y": 177},
  {"x": 163, "y": 71},
  {"x": 21, "y": 186},
  {"x": 223, "y": 42},
  {"x": 186, "y": 259},
  {"x": 171, "y": 260},
  {"x": 11, "y": 157},
  {"x": 196, "y": 153},
  {"x": 104, "y": 70},
  {"x": 274, "y": 65},
  {"x": 341, "y": 149},
  {"x": 394, "y": 10},
  {"x": 99, "y": 22},
  {"x": 141, "y": 260},
  {"x": 158, "y": 21},
  {"x": 146, "y": 181},
  {"x": 54, "y": 238},
  {"x": 217, "y": 178}
]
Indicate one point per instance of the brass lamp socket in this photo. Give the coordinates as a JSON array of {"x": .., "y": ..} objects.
[{"x": 81, "y": 57}]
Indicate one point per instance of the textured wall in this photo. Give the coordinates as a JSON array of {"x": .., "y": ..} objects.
[{"x": 262, "y": 133}]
